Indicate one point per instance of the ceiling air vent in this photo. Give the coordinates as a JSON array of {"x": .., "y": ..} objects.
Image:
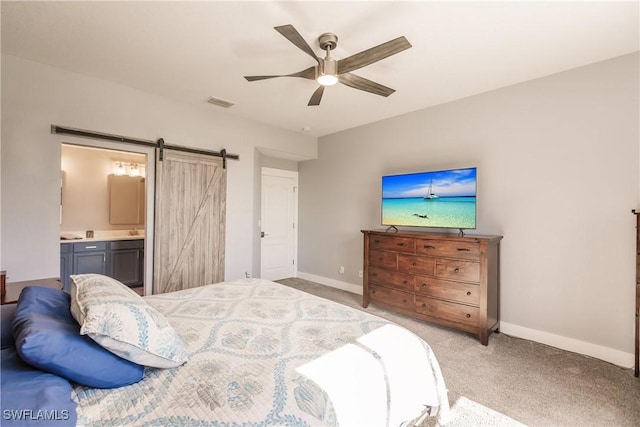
[{"x": 220, "y": 102}]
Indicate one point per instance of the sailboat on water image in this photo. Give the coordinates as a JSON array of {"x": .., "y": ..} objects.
[{"x": 430, "y": 194}]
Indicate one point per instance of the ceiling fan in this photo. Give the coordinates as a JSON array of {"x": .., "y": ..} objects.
[{"x": 328, "y": 71}]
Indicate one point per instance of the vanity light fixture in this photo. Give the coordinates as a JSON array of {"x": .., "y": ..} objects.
[
  {"x": 120, "y": 169},
  {"x": 130, "y": 169},
  {"x": 133, "y": 170}
]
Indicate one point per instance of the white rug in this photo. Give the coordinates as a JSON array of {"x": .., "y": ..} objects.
[{"x": 465, "y": 412}]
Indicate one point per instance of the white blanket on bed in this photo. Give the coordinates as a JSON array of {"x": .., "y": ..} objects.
[{"x": 263, "y": 354}]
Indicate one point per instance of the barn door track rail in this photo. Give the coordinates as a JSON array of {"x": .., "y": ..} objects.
[{"x": 159, "y": 144}]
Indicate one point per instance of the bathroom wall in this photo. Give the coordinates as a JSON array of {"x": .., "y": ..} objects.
[{"x": 85, "y": 192}]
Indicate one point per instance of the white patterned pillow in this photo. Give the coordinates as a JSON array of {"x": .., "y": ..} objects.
[{"x": 121, "y": 321}]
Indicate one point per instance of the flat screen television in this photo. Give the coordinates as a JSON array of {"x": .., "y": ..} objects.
[{"x": 441, "y": 199}]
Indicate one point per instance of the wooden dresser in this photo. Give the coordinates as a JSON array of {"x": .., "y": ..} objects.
[
  {"x": 445, "y": 279},
  {"x": 637, "y": 319}
]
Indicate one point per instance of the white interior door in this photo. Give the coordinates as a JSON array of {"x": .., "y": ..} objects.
[{"x": 278, "y": 224}]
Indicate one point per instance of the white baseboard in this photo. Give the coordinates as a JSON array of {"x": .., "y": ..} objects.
[
  {"x": 617, "y": 357},
  {"x": 345, "y": 286}
]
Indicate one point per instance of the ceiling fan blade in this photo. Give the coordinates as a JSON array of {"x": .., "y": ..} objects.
[
  {"x": 372, "y": 55},
  {"x": 361, "y": 83},
  {"x": 309, "y": 73},
  {"x": 316, "y": 97},
  {"x": 291, "y": 34}
]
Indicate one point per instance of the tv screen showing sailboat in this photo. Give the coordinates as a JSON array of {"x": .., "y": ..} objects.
[{"x": 443, "y": 199}]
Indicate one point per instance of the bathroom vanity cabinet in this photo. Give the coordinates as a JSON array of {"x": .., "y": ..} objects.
[{"x": 121, "y": 259}]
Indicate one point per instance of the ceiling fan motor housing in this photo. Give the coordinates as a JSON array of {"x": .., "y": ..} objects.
[{"x": 328, "y": 66}]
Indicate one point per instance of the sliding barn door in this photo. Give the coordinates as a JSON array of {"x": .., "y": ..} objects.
[{"x": 190, "y": 221}]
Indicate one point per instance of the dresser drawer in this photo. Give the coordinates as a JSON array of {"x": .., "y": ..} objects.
[
  {"x": 384, "y": 259},
  {"x": 416, "y": 264},
  {"x": 391, "y": 297},
  {"x": 458, "y": 313},
  {"x": 391, "y": 279},
  {"x": 393, "y": 243},
  {"x": 449, "y": 249},
  {"x": 458, "y": 270},
  {"x": 449, "y": 290}
]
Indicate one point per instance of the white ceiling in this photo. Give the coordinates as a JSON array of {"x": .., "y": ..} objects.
[{"x": 189, "y": 51}]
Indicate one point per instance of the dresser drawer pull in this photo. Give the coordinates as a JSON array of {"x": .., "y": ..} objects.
[
  {"x": 468, "y": 315},
  {"x": 456, "y": 270},
  {"x": 404, "y": 281},
  {"x": 463, "y": 249},
  {"x": 424, "y": 305},
  {"x": 376, "y": 241},
  {"x": 414, "y": 264},
  {"x": 429, "y": 247},
  {"x": 469, "y": 293},
  {"x": 404, "y": 300},
  {"x": 424, "y": 285},
  {"x": 401, "y": 244},
  {"x": 90, "y": 247},
  {"x": 373, "y": 291}
]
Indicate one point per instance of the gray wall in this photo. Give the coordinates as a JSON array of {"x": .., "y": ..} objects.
[
  {"x": 35, "y": 96},
  {"x": 274, "y": 163},
  {"x": 557, "y": 162}
]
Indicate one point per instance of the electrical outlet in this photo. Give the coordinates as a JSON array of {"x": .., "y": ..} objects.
[
  {"x": 360, "y": 274},
  {"x": 247, "y": 275},
  {"x": 341, "y": 270}
]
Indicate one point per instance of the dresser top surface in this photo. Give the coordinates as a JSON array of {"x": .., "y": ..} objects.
[{"x": 432, "y": 235}]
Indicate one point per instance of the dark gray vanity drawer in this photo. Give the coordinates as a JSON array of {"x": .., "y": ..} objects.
[
  {"x": 126, "y": 244},
  {"x": 89, "y": 246}
]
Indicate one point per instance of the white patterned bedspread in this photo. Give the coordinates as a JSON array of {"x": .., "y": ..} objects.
[{"x": 263, "y": 354}]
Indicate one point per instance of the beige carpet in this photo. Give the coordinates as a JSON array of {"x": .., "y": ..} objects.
[{"x": 514, "y": 381}]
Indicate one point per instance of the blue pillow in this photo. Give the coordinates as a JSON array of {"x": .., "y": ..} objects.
[
  {"x": 48, "y": 338},
  {"x": 31, "y": 397}
]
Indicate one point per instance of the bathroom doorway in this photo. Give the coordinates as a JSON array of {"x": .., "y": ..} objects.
[{"x": 106, "y": 213}]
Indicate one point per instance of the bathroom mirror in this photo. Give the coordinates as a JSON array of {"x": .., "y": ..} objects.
[{"x": 126, "y": 199}]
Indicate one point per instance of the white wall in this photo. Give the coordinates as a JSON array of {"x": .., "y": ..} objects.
[
  {"x": 557, "y": 162},
  {"x": 35, "y": 96}
]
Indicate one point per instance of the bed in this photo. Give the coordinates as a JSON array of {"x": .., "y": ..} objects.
[{"x": 263, "y": 354}]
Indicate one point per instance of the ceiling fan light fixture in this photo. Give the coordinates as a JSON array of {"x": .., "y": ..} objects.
[
  {"x": 327, "y": 79},
  {"x": 327, "y": 71}
]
